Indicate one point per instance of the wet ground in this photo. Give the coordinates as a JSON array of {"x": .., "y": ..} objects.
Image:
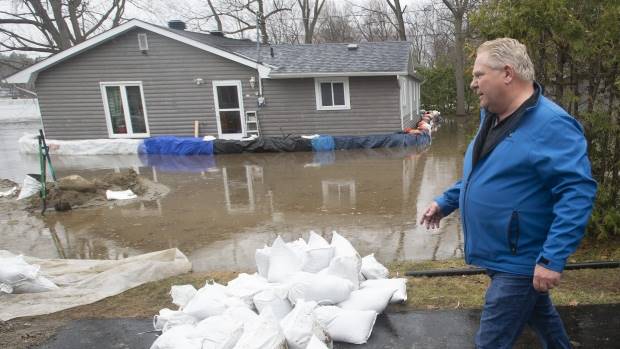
[
  {"x": 444, "y": 329},
  {"x": 220, "y": 209}
]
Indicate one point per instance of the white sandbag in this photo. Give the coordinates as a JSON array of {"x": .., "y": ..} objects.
[
  {"x": 210, "y": 300},
  {"x": 300, "y": 248},
  {"x": 265, "y": 333},
  {"x": 178, "y": 337},
  {"x": 369, "y": 298},
  {"x": 262, "y": 260},
  {"x": 219, "y": 332},
  {"x": 242, "y": 314},
  {"x": 342, "y": 246},
  {"x": 300, "y": 325},
  {"x": 17, "y": 276},
  {"x": 168, "y": 319},
  {"x": 120, "y": 195},
  {"x": 319, "y": 253},
  {"x": 349, "y": 326},
  {"x": 372, "y": 269},
  {"x": 399, "y": 285},
  {"x": 283, "y": 262},
  {"x": 30, "y": 186},
  {"x": 275, "y": 298},
  {"x": 323, "y": 289},
  {"x": 316, "y": 343},
  {"x": 245, "y": 286},
  {"x": 346, "y": 267},
  {"x": 182, "y": 294},
  {"x": 7, "y": 193}
]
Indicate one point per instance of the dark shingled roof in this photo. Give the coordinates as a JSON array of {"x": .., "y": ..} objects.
[{"x": 387, "y": 56}]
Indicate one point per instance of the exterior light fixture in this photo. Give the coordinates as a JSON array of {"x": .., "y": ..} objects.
[{"x": 252, "y": 81}]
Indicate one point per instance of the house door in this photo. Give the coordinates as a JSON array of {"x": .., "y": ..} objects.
[{"x": 229, "y": 109}]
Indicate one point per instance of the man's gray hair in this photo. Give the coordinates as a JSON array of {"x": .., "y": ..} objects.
[{"x": 507, "y": 51}]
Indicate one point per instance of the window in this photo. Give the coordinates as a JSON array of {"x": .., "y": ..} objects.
[
  {"x": 332, "y": 94},
  {"x": 143, "y": 44},
  {"x": 125, "y": 110}
]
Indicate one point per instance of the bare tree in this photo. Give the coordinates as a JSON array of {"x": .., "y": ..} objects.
[
  {"x": 336, "y": 26},
  {"x": 58, "y": 24},
  {"x": 459, "y": 10},
  {"x": 215, "y": 16},
  {"x": 310, "y": 15},
  {"x": 374, "y": 23},
  {"x": 398, "y": 14}
]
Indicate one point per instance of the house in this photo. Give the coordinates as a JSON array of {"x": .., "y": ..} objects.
[{"x": 139, "y": 80}]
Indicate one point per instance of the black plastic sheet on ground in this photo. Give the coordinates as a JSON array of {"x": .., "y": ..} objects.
[{"x": 262, "y": 145}]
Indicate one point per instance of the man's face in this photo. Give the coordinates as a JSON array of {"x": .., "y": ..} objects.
[{"x": 488, "y": 83}]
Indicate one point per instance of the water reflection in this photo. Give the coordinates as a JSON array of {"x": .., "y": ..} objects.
[{"x": 220, "y": 209}]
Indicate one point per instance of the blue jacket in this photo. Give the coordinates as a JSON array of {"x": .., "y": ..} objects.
[{"x": 527, "y": 201}]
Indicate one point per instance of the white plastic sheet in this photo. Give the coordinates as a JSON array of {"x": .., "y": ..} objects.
[
  {"x": 28, "y": 144},
  {"x": 120, "y": 195},
  {"x": 87, "y": 281},
  {"x": 7, "y": 193}
]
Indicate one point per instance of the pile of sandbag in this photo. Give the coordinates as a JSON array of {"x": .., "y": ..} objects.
[{"x": 304, "y": 295}]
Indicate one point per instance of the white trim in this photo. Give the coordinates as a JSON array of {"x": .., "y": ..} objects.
[
  {"x": 317, "y": 93},
  {"x": 337, "y": 74},
  {"x": 125, "y": 103},
  {"x": 27, "y": 74},
  {"x": 236, "y": 83}
]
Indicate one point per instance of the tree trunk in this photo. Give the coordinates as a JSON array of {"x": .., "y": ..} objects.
[{"x": 459, "y": 66}]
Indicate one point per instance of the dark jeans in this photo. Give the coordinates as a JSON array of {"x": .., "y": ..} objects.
[{"x": 511, "y": 302}]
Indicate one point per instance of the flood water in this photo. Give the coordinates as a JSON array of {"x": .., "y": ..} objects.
[{"x": 220, "y": 209}]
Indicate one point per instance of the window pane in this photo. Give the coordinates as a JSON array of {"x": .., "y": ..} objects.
[
  {"x": 230, "y": 121},
  {"x": 227, "y": 97},
  {"x": 326, "y": 94},
  {"x": 338, "y": 93},
  {"x": 115, "y": 105},
  {"x": 136, "y": 113}
]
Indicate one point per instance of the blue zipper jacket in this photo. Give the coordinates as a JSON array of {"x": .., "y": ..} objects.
[{"x": 527, "y": 201}]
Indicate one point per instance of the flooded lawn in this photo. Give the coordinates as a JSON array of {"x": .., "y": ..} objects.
[{"x": 220, "y": 209}]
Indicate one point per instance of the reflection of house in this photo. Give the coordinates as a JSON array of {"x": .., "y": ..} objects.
[
  {"x": 140, "y": 80},
  {"x": 239, "y": 183},
  {"x": 338, "y": 194}
]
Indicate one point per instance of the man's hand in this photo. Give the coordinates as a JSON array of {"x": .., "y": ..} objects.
[
  {"x": 431, "y": 217},
  {"x": 545, "y": 279}
]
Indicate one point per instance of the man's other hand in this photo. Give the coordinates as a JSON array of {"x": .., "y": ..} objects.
[
  {"x": 545, "y": 279},
  {"x": 431, "y": 217}
]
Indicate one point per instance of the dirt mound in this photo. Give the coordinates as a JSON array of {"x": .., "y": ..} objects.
[
  {"x": 6, "y": 184},
  {"x": 75, "y": 191}
]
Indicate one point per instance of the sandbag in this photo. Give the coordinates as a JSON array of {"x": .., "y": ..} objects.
[
  {"x": 265, "y": 333},
  {"x": 323, "y": 289},
  {"x": 182, "y": 294},
  {"x": 372, "y": 269},
  {"x": 399, "y": 285},
  {"x": 346, "y": 267},
  {"x": 319, "y": 253},
  {"x": 342, "y": 246},
  {"x": 349, "y": 326},
  {"x": 242, "y": 314},
  {"x": 261, "y": 257},
  {"x": 245, "y": 286},
  {"x": 17, "y": 276},
  {"x": 283, "y": 262},
  {"x": 316, "y": 343},
  {"x": 178, "y": 337},
  {"x": 211, "y": 300},
  {"x": 276, "y": 298},
  {"x": 168, "y": 319},
  {"x": 369, "y": 298},
  {"x": 300, "y": 325},
  {"x": 30, "y": 186},
  {"x": 219, "y": 332}
]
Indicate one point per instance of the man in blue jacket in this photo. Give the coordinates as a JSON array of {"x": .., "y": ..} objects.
[{"x": 525, "y": 197}]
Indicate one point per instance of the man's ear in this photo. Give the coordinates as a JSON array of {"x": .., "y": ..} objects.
[{"x": 509, "y": 73}]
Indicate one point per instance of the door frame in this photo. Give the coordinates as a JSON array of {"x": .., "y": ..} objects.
[{"x": 236, "y": 83}]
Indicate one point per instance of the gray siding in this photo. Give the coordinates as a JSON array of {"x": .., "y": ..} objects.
[
  {"x": 72, "y": 105},
  {"x": 291, "y": 108}
]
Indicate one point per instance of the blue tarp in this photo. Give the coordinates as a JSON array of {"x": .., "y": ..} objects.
[
  {"x": 175, "y": 163},
  {"x": 327, "y": 143},
  {"x": 170, "y": 145}
]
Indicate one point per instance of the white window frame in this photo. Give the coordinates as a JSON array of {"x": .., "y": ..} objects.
[
  {"x": 216, "y": 106},
  {"x": 317, "y": 92},
  {"x": 125, "y": 102}
]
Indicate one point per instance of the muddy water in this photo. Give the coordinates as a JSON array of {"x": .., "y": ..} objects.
[{"x": 220, "y": 209}]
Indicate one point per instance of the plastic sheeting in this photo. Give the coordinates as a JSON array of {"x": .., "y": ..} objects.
[
  {"x": 29, "y": 144},
  {"x": 171, "y": 145},
  {"x": 263, "y": 145},
  {"x": 327, "y": 143},
  {"x": 87, "y": 281}
]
